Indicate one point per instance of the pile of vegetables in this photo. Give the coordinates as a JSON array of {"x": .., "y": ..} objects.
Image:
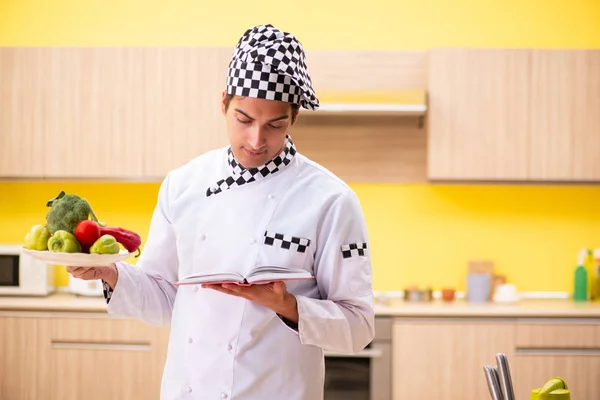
[{"x": 72, "y": 227}]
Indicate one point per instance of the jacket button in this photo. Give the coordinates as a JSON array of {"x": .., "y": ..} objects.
[
  {"x": 190, "y": 340},
  {"x": 252, "y": 241},
  {"x": 223, "y": 395},
  {"x": 229, "y": 347},
  {"x": 189, "y": 389},
  {"x": 195, "y": 288},
  {"x": 271, "y": 196},
  {"x": 203, "y": 237}
]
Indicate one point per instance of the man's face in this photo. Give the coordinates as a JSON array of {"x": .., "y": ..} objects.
[{"x": 256, "y": 128}]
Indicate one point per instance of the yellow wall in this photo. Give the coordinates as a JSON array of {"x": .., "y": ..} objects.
[
  {"x": 399, "y": 24},
  {"x": 422, "y": 234}
]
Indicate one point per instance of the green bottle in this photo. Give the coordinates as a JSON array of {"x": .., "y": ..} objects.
[{"x": 581, "y": 278}]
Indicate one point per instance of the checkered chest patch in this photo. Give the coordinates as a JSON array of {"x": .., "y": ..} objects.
[
  {"x": 240, "y": 175},
  {"x": 353, "y": 250},
  {"x": 287, "y": 242}
]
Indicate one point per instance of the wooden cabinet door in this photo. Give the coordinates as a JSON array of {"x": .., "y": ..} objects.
[
  {"x": 123, "y": 113},
  {"x": 479, "y": 114},
  {"x": 103, "y": 358},
  {"x": 444, "y": 359},
  {"x": 25, "y": 108},
  {"x": 25, "y": 368},
  {"x": 74, "y": 113},
  {"x": 579, "y": 369},
  {"x": 183, "y": 97},
  {"x": 564, "y": 347},
  {"x": 565, "y": 115}
]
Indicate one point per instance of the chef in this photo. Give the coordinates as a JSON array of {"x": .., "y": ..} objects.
[{"x": 256, "y": 202}]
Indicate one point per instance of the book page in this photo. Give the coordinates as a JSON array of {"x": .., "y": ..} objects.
[
  {"x": 211, "y": 277},
  {"x": 274, "y": 273},
  {"x": 274, "y": 269}
]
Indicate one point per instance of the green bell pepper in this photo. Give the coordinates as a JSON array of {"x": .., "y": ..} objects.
[
  {"x": 106, "y": 244},
  {"x": 37, "y": 238},
  {"x": 63, "y": 241}
]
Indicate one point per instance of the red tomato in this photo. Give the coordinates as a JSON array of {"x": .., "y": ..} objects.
[{"x": 87, "y": 232}]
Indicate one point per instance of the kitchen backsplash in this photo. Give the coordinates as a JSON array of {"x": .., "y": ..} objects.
[{"x": 420, "y": 234}]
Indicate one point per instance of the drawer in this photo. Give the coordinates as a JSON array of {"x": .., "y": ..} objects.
[
  {"x": 106, "y": 334},
  {"x": 580, "y": 372},
  {"x": 558, "y": 333},
  {"x": 128, "y": 354}
]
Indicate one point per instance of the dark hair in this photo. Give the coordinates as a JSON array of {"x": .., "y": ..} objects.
[{"x": 295, "y": 107}]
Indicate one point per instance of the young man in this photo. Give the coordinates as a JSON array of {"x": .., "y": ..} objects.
[{"x": 256, "y": 202}]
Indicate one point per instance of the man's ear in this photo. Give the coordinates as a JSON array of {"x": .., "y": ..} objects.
[
  {"x": 295, "y": 116},
  {"x": 223, "y": 102}
]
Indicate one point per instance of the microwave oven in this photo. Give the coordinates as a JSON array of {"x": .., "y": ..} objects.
[{"x": 23, "y": 275}]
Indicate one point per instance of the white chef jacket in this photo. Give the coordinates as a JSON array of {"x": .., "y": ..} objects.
[{"x": 226, "y": 347}]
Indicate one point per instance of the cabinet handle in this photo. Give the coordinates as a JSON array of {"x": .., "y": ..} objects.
[
  {"x": 556, "y": 351},
  {"x": 101, "y": 346}
]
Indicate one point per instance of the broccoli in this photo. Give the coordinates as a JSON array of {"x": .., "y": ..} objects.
[{"x": 67, "y": 211}]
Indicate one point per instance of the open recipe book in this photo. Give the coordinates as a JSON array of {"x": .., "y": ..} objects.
[{"x": 258, "y": 275}]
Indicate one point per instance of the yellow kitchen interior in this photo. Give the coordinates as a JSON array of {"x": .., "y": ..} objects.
[
  {"x": 525, "y": 217},
  {"x": 423, "y": 234}
]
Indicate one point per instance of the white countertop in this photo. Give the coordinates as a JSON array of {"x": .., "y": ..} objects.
[
  {"x": 64, "y": 302},
  {"x": 462, "y": 308}
]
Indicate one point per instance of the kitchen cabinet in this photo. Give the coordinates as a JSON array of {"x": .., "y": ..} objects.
[
  {"x": 514, "y": 115},
  {"x": 478, "y": 114},
  {"x": 107, "y": 113},
  {"x": 183, "y": 117},
  {"x": 70, "y": 112},
  {"x": 569, "y": 348},
  {"x": 25, "y": 365},
  {"x": 565, "y": 117},
  {"x": 101, "y": 358},
  {"x": 444, "y": 359},
  {"x": 135, "y": 114},
  {"x": 80, "y": 356},
  {"x": 24, "y": 113}
]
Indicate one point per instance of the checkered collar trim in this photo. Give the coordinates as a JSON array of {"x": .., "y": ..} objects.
[{"x": 240, "y": 175}]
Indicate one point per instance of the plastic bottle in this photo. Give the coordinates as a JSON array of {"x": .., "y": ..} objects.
[
  {"x": 590, "y": 266},
  {"x": 596, "y": 271},
  {"x": 580, "y": 292}
]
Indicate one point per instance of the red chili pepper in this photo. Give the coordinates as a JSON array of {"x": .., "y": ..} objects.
[{"x": 129, "y": 239}]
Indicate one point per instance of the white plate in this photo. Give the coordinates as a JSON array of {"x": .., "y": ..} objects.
[{"x": 78, "y": 259}]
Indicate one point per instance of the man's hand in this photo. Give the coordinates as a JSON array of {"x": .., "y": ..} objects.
[
  {"x": 108, "y": 274},
  {"x": 271, "y": 295}
]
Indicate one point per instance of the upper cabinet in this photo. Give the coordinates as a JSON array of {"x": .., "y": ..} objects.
[
  {"x": 385, "y": 117},
  {"x": 478, "y": 118},
  {"x": 565, "y": 115},
  {"x": 116, "y": 113},
  {"x": 137, "y": 113},
  {"x": 514, "y": 115}
]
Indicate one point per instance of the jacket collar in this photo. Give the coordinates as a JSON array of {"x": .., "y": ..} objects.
[{"x": 240, "y": 175}]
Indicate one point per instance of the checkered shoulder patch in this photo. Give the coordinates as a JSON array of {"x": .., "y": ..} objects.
[
  {"x": 107, "y": 291},
  {"x": 286, "y": 241},
  {"x": 353, "y": 250}
]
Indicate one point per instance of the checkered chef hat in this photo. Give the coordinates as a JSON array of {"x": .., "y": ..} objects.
[{"x": 270, "y": 64}]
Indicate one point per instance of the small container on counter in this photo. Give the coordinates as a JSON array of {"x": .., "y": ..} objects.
[
  {"x": 480, "y": 281},
  {"x": 448, "y": 295},
  {"x": 414, "y": 294},
  {"x": 479, "y": 287},
  {"x": 506, "y": 293}
]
